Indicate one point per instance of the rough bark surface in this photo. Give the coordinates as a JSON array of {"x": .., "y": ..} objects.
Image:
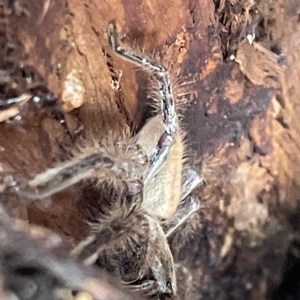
[{"x": 241, "y": 117}]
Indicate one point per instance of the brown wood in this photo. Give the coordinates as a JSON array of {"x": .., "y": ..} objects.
[{"x": 241, "y": 118}]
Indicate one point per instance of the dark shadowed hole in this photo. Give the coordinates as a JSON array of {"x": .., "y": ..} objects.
[
  {"x": 289, "y": 287},
  {"x": 26, "y": 271}
]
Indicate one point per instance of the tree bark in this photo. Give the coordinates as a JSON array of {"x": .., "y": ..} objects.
[{"x": 240, "y": 112}]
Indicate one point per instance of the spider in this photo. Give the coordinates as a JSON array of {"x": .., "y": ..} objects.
[{"x": 142, "y": 187}]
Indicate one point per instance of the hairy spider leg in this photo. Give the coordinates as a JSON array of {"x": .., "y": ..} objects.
[
  {"x": 168, "y": 110},
  {"x": 123, "y": 226},
  {"x": 81, "y": 167},
  {"x": 186, "y": 209},
  {"x": 188, "y": 206},
  {"x": 184, "y": 282},
  {"x": 147, "y": 288},
  {"x": 191, "y": 180}
]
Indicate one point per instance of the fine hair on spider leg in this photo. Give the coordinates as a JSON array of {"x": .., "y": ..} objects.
[{"x": 88, "y": 164}]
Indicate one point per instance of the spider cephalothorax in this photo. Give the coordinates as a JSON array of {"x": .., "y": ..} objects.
[{"x": 143, "y": 188}]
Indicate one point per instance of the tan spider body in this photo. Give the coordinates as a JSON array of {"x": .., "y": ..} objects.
[{"x": 162, "y": 194}]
